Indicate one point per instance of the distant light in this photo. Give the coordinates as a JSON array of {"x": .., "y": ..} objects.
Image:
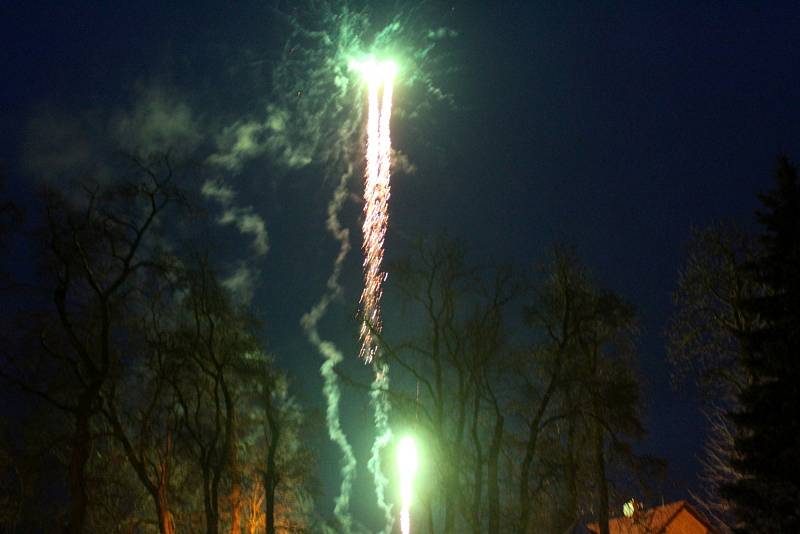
[{"x": 628, "y": 508}]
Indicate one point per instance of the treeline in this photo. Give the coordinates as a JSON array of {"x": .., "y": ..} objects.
[
  {"x": 151, "y": 405},
  {"x": 522, "y": 390},
  {"x": 529, "y": 425},
  {"x": 145, "y": 400},
  {"x": 736, "y": 334},
  {"x": 142, "y": 399}
]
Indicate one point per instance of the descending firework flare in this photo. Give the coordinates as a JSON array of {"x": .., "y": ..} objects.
[
  {"x": 407, "y": 467},
  {"x": 380, "y": 79}
]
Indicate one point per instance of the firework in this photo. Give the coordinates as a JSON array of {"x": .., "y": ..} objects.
[
  {"x": 380, "y": 78},
  {"x": 407, "y": 466}
]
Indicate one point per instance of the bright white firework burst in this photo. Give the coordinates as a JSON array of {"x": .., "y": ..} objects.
[
  {"x": 380, "y": 79},
  {"x": 407, "y": 467}
]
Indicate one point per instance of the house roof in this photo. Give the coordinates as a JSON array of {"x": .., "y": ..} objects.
[{"x": 649, "y": 521}]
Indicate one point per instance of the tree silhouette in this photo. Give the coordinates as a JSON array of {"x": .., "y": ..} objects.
[{"x": 768, "y": 425}]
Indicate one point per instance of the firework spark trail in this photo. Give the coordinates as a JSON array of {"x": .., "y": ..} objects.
[
  {"x": 383, "y": 437},
  {"x": 385, "y": 140},
  {"x": 405, "y": 521},
  {"x": 376, "y": 202},
  {"x": 333, "y": 356}
]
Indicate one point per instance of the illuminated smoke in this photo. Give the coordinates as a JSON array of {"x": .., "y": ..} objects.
[
  {"x": 381, "y": 407},
  {"x": 376, "y": 200},
  {"x": 333, "y": 356}
]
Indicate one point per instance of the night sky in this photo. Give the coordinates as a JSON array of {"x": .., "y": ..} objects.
[{"x": 613, "y": 126}]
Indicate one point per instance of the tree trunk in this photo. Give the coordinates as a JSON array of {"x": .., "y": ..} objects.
[
  {"x": 493, "y": 486},
  {"x": 453, "y": 469},
  {"x": 602, "y": 483},
  {"x": 530, "y": 452},
  {"x": 235, "y": 495},
  {"x": 455, "y": 464},
  {"x": 429, "y": 513},
  {"x": 212, "y": 525},
  {"x": 477, "y": 496},
  {"x": 271, "y": 475},
  {"x": 235, "y": 473},
  {"x": 228, "y": 459},
  {"x": 165, "y": 522},
  {"x": 525, "y": 473},
  {"x": 449, "y": 502},
  {"x": 208, "y": 500},
  {"x": 236, "y": 507},
  {"x": 212, "y": 519},
  {"x": 77, "y": 467},
  {"x": 157, "y": 489},
  {"x": 571, "y": 507},
  {"x": 270, "y": 485}
]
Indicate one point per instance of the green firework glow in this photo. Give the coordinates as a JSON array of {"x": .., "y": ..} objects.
[
  {"x": 315, "y": 118},
  {"x": 407, "y": 464}
]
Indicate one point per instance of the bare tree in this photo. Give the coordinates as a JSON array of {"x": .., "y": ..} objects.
[
  {"x": 488, "y": 357},
  {"x": 708, "y": 321},
  {"x": 98, "y": 245},
  {"x": 434, "y": 280},
  {"x": 580, "y": 381},
  {"x": 704, "y": 345},
  {"x": 209, "y": 343},
  {"x": 559, "y": 312},
  {"x": 140, "y": 409},
  {"x": 460, "y": 359}
]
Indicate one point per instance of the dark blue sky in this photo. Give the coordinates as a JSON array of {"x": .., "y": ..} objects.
[{"x": 614, "y": 126}]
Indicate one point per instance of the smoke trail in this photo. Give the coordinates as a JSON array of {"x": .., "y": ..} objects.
[
  {"x": 333, "y": 356},
  {"x": 381, "y": 406}
]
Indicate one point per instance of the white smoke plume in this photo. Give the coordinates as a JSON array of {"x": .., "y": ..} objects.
[
  {"x": 158, "y": 122},
  {"x": 333, "y": 356},
  {"x": 381, "y": 407}
]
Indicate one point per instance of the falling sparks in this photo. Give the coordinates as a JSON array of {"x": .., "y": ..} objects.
[{"x": 380, "y": 77}]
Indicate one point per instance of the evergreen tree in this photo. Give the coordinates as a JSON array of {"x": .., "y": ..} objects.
[{"x": 766, "y": 499}]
